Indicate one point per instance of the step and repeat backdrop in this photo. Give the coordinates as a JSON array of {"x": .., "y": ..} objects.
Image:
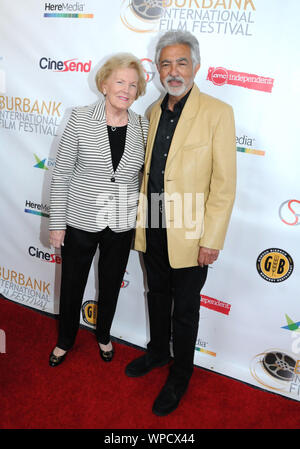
[{"x": 49, "y": 54}]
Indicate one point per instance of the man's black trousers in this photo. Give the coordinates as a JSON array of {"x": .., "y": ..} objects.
[{"x": 173, "y": 304}]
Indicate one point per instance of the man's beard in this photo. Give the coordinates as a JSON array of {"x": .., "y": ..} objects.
[{"x": 175, "y": 91}]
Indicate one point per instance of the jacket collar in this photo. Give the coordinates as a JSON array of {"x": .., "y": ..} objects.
[
  {"x": 98, "y": 113},
  {"x": 190, "y": 106}
]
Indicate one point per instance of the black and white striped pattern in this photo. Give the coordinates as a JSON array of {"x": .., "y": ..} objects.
[{"x": 86, "y": 193}]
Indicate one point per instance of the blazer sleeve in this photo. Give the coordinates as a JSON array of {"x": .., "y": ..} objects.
[
  {"x": 221, "y": 195},
  {"x": 62, "y": 174}
]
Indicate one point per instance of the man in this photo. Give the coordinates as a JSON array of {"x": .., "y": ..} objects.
[{"x": 190, "y": 169}]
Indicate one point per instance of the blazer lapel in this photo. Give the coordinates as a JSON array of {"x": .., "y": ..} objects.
[
  {"x": 102, "y": 134},
  {"x": 154, "y": 121},
  {"x": 183, "y": 126}
]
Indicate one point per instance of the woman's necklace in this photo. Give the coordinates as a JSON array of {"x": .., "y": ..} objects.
[{"x": 112, "y": 122}]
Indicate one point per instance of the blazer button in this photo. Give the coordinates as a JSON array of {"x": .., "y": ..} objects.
[{"x": 112, "y": 179}]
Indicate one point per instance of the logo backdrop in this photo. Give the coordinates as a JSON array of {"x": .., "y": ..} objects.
[{"x": 50, "y": 51}]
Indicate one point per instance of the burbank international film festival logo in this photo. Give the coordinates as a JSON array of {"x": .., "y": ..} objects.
[
  {"x": 24, "y": 288},
  {"x": 277, "y": 370},
  {"x": 274, "y": 265},
  {"x": 234, "y": 17},
  {"x": 37, "y": 116}
]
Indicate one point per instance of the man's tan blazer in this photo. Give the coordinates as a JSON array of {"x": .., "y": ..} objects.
[{"x": 199, "y": 179}]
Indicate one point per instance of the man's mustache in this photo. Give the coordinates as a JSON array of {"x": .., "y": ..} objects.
[{"x": 174, "y": 78}]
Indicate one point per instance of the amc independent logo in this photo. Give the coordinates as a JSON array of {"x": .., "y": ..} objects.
[
  {"x": 220, "y": 76},
  {"x": 215, "y": 304},
  {"x": 274, "y": 265}
]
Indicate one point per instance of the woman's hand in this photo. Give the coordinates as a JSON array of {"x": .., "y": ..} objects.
[{"x": 56, "y": 238}]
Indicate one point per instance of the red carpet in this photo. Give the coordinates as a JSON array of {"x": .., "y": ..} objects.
[{"x": 86, "y": 393}]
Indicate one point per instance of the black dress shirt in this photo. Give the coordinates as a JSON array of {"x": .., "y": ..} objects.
[{"x": 165, "y": 131}]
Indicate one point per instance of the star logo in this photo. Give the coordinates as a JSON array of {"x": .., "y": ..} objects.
[
  {"x": 291, "y": 325},
  {"x": 40, "y": 163}
]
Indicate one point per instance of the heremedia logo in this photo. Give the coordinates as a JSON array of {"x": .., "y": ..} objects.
[
  {"x": 67, "y": 10},
  {"x": 43, "y": 210},
  {"x": 244, "y": 144}
]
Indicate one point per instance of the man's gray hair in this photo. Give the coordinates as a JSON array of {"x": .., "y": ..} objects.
[{"x": 179, "y": 37}]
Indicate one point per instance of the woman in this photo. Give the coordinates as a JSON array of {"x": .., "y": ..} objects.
[{"x": 94, "y": 194}]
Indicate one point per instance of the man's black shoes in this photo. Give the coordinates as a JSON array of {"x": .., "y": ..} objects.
[
  {"x": 144, "y": 364},
  {"x": 169, "y": 397}
]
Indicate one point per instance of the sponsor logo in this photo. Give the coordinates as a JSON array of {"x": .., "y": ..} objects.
[
  {"x": 51, "y": 258},
  {"x": 291, "y": 325},
  {"x": 278, "y": 371},
  {"x": 66, "y": 11},
  {"x": 234, "y": 17},
  {"x": 274, "y": 265},
  {"x": 215, "y": 304},
  {"x": 25, "y": 289},
  {"x": 149, "y": 69},
  {"x": 220, "y": 76},
  {"x": 28, "y": 115},
  {"x": 247, "y": 144},
  {"x": 43, "y": 164},
  {"x": 287, "y": 213},
  {"x": 201, "y": 346},
  {"x": 125, "y": 283},
  {"x": 70, "y": 65},
  {"x": 89, "y": 310},
  {"x": 141, "y": 16},
  {"x": 40, "y": 209}
]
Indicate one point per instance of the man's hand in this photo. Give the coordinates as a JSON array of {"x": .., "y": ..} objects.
[
  {"x": 207, "y": 256},
  {"x": 57, "y": 238}
]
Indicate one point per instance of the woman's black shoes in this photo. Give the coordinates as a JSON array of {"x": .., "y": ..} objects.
[
  {"x": 55, "y": 360},
  {"x": 106, "y": 356}
]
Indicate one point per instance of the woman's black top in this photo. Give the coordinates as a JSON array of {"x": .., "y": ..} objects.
[{"x": 117, "y": 143}]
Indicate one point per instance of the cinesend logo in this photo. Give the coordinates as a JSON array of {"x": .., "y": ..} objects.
[{"x": 69, "y": 65}]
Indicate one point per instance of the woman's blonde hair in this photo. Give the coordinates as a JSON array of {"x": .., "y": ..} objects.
[{"x": 122, "y": 61}]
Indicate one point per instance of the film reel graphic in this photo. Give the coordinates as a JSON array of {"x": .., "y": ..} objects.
[
  {"x": 142, "y": 16},
  {"x": 273, "y": 369},
  {"x": 279, "y": 365},
  {"x": 148, "y": 9}
]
